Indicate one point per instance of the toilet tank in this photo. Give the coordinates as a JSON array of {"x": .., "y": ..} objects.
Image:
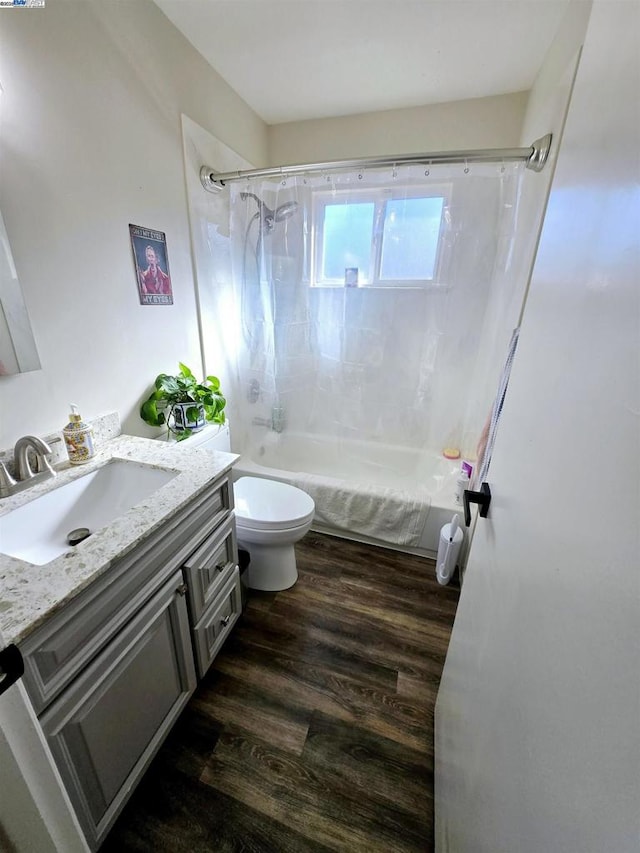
[{"x": 211, "y": 437}]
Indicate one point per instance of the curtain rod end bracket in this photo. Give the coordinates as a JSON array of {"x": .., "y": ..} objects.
[
  {"x": 540, "y": 153},
  {"x": 208, "y": 180}
]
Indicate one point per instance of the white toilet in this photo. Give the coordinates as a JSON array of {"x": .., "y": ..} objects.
[{"x": 270, "y": 518}]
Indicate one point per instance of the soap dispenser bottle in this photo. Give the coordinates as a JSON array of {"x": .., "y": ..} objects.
[{"x": 78, "y": 438}]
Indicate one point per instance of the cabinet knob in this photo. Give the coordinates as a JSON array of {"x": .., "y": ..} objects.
[
  {"x": 221, "y": 567},
  {"x": 224, "y": 622},
  {"x": 182, "y": 589}
]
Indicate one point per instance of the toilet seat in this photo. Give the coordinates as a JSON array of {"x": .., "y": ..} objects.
[{"x": 270, "y": 505}]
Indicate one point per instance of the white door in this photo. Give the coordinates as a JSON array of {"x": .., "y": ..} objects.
[{"x": 538, "y": 715}]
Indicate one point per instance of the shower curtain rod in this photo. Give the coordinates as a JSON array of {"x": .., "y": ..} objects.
[{"x": 535, "y": 157}]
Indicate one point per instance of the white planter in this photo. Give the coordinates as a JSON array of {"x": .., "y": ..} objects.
[{"x": 181, "y": 419}]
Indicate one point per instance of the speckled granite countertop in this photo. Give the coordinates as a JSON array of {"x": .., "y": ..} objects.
[{"x": 29, "y": 594}]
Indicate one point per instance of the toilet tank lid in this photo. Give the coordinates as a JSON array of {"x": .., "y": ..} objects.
[
  {"x": 271, "y": 503},
  {"x": 210, "y": 437}
]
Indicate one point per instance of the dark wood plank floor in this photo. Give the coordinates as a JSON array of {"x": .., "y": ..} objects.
[{"x": 313, "y": 730}]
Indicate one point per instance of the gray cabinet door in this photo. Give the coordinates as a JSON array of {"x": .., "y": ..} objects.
[{"x": 105, "y": 729}]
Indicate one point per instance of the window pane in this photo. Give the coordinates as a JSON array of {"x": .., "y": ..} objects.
[
  {"x": 348, "y": 230},
  {"x": 410, "y": 238}
]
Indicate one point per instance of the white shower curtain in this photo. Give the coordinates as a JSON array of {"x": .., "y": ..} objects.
[{"x": 367, "y": 354}]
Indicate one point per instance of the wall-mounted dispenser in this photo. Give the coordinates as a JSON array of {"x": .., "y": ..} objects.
[{"x": 451, "y": 537}]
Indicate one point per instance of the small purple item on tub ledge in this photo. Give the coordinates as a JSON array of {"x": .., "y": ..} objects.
[
  {"x": 467, "y": 468},
  {"x": 463, "y": 482}
]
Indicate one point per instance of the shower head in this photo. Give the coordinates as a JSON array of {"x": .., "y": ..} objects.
[
  {"x": 268, "y": 217},
  {"x": 285, "y": 210}
]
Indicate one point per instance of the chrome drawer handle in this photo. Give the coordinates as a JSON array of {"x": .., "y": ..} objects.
[
  {"x": 221, "y": 567},
  {"x": 224, "y": 622},
  {"x": 182, "y": 589}
]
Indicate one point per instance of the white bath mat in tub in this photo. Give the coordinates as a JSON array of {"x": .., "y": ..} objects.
[{"x": 391, "y": 515}]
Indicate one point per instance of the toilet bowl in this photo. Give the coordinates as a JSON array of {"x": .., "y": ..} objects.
[{"x": 270, "y": 518}]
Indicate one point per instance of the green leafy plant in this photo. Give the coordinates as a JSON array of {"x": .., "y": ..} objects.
[{"x": 169, "y": 391}]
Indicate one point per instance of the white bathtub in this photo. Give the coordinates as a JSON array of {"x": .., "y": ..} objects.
[{"x": 290, "y": 457}]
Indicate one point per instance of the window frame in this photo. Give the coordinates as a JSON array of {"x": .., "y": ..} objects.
[{"x": 379, "y": 196}]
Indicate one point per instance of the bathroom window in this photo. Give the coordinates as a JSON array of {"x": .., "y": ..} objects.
[{"x": 377, "y": 237}]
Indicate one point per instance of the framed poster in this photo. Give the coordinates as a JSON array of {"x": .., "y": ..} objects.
[{"x": 152, "y": 266}]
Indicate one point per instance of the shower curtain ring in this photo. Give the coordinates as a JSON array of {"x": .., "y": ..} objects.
[{"x": 466, "y": 168}]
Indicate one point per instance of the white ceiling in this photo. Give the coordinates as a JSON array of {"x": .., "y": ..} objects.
[{"x": 292, "y": 60}]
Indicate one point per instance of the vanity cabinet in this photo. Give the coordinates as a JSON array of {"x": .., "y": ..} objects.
[
  {"x": 56, "y": 652},
  {"x": 109, "y": 673},
  {"x": 104, "y": 730}
]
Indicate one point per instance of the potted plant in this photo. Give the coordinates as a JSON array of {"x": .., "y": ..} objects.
[{"x": 183, "y": 403}]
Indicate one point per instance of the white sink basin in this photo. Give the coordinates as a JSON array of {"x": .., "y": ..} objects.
[{"x": 37, "y": 531}]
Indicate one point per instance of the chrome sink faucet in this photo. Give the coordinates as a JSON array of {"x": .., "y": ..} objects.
[{"x": 25, "y": 474}]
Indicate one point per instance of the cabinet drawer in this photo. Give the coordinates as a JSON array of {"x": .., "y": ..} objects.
[
  {"x": 105, "y": 728},
  {"x": 212, "y": 630},
  {"x": 211, "y": 567},
  {"x": 55, "y": 653}
]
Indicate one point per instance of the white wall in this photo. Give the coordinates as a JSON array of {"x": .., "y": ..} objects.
[
  {"x": 492, "y": 122},
  {"x": 546, "y": 113},
  {"x": 91, "y": 141}
]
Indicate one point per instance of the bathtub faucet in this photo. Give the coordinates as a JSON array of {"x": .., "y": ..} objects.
[{"x": 276, "y": 422}]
